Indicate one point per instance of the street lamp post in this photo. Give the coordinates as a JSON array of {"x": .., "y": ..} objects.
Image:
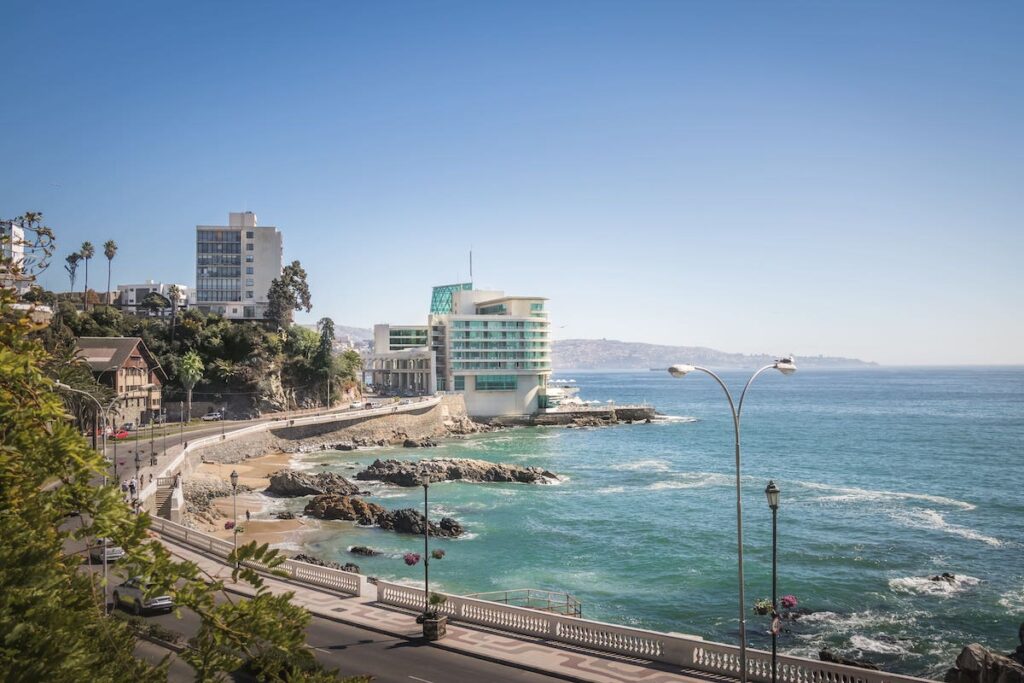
[
  {"x": 772, "y": 492},
  {"x": 425, "y": 480},
  {"x": 234, "y": 511},
  {"x": 786, "y": 366},
  {"x": 138, "y": 466}
]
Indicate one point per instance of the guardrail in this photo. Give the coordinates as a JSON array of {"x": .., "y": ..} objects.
[
  {"x": 558, "y": 602},
  {"x": 691, "y": 652},
  {"x": 323, "y": 577}
]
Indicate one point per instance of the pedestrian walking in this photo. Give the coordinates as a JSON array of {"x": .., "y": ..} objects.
[
  {"x": 131, "y": 488},
  {"x": 247, "y": 515}
]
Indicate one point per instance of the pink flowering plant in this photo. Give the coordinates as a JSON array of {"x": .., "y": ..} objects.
[
  {"x": 788, "y": 601},
  {"x": 230, "y": 524},
  {"x": 411, "y": 558}
]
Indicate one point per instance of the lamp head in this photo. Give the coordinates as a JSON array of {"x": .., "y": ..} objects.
[
  {"x": 772, "y": 493},
  {"x": 786, "y": 365},
  {"x": 234, "y": 479},
  {"x": 61, "y": 385},
  {"x": 680, "y": 370},
  {"x": 424, "y": 478}
]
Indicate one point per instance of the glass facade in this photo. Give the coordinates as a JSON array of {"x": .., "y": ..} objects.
[
  {"x": 496, "y": 382},
  {"x": 441, "y": 298},
  {"x": 459, "y": 383},
  {"x": 496, "y": 309},
  {"x": 405, "y": 338},
  {"x": 500, "y": 345},
  {"x": 218, "y": 265}
]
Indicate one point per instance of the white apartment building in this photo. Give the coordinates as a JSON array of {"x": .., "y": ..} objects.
[
  {"x": 235, "y": 265},
  {"x": 130, "y": 296},
  {"x": 492, "y": 348},
  {"x": 12, "y": 236}
]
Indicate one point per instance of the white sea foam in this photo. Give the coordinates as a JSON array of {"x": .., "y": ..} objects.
[
  {"x": 865, "y": 644},
  {"x": 1013, "y": 601},
  {"x": 468, "y": 536},
  {"x": 842, "y": 494},
  {"x": 923, "y": 585},
  {"x": 692, "y": 480},
  {"x": 934, "y": 521},
  {"x": 607, "y": 490},
  {"x": 673, "y": 419},
  {"x": 642, "y": 465}
]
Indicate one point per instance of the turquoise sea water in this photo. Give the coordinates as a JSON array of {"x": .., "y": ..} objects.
[{"x": 887, "y": 476}]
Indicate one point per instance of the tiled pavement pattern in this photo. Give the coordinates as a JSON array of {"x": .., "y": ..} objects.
[{"x": 520, "y": 652}]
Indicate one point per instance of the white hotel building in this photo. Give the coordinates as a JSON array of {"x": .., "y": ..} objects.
[
  {"x": 493, "y": 349},
  {"x": 235, "y": 264}
]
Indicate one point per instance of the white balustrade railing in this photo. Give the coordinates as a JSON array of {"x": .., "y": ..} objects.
[
  {"x": 691, "y": 652},
  {"x": 324, "y": 577}
]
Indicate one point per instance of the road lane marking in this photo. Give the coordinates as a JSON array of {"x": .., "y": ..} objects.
[{"x": 417, "y": 678}]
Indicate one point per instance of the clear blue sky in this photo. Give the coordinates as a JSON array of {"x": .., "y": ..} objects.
[{"x": 817, "y": 177}]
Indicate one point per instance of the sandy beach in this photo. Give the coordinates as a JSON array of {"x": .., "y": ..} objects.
[{"x": 254, "y": 473}]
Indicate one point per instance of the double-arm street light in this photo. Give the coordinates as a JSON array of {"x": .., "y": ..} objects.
[
  {"x": 425, "y": 481},
  {"x": 234, "y": 511},
  {"x": 786, "y": 366},
  {"x": 772, "y": 492}
]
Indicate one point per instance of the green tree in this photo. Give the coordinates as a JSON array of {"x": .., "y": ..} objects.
[
  {"x": 288, "y": 293},
  {"x": 155, "y": 302},
  {"x": 72, "y": 268},
  {"x": 109, "y": 250},
  {"x": 190, "y": 371},
  {"x": 88, "y": 251},
  {"x": 173, "y": 293}
]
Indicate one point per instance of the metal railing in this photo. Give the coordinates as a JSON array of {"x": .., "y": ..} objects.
[{"x": 556, "y": 602}]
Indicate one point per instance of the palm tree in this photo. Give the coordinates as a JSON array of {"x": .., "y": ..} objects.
[
  {"x": 109, "y": 250},
  {"x": 72, "y": 268},
  {"x": 88, "y": 251},
  {"x": 190, "y": 371},
  {"x": 173, "y": 292}
]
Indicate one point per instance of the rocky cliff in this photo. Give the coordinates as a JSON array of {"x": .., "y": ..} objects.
[{"x": 406, "y": 473}]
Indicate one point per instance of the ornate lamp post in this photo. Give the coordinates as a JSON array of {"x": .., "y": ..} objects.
[
  {"x": 234, "y": 511},
  {"x": 786, "y": 366},
  {"x": 138, "y": 466},
  {"x": 772, "y": 492}
]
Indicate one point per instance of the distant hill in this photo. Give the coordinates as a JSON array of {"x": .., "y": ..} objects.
[{"x": 609, "y": 354}]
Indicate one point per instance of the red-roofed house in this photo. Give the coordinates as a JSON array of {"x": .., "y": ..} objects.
[{"x": 126, "y": 366}]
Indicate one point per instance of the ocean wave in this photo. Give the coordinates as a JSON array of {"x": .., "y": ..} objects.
[
  {"x": 693, "y": 480},
  {"x": 674, "y": 419},
  {"x": 865, "y": 644},
  {"x": 607, "y": 490},
  {"x": 468, "y": 536},
  {"x": 1013, "y": 601},
  {"x": 933, "y": 520},
  {"x": 642, "y": 465},
  {"x": 923, "y": 585},
  {"x": 858, "y": 495}
]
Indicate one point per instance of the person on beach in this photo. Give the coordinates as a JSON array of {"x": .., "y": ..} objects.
[{"x": 247, "y": 515}]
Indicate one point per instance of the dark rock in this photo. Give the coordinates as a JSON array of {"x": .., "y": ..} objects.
[
  {"x": 285, "y": 515},
  {"x": 363, "y": 550},
  {"x": 345, "y": 447},
  {"x": 289, "y": 483},
  {"x": 411, "y": 443},
  {"x": 310, "y": 559},
  {"x": 977, "y": 664},
  {"x": 405, "y": 521},
  {"x": 944, "y": 576},
  {"x": 453, "y": 469},
  {"x": 829, "y": 656}
]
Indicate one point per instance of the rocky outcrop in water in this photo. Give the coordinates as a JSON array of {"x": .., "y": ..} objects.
[
  {"x": 310, "y": 559},
  {"x": 410, "y": 473},
  {"x": 829, "y": 656},
  {"x": 352, "y": 509},
  {"x": 289, "y": 484},
  {"x": 977, "y": 664},
  {"x": 363, "y": 550}
]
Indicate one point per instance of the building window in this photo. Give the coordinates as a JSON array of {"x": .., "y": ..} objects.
[
  {"x": 248, "y": 270},
  {"x": 248, "y": 259},
  {"x": 248, "y": 294},
  {"x": 249, "y": 235},
  {"x": 249, "y": 282},
  {"x": 249, "y": 246},
  {"x": 496, "y": 382},
  {"x": 460, "y": 383}
]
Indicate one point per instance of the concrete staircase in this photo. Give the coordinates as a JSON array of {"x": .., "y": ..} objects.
[{"x": 163, "y": 500}]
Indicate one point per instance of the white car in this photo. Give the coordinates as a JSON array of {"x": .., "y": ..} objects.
[
  {"x": 212, "y": 417},
  {"x": 114, "y": 552},
  {"x": 132, "y": 594},
  {"x": 356, "y": 404}
]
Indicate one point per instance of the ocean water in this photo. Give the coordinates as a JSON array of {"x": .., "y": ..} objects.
[{"x": 888, "y": 476}]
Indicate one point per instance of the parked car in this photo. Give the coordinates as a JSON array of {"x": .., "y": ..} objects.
[
  {"x": 213, "y": 417},
  {"x": 132, "y": 595},
  {"x": 120, "y": 434},
  {"x": 159, "y": 419},
  {"x": 114, "y": 552},
  {"x": 129, "y": 426},
  {"x": 356, "y": 404}
]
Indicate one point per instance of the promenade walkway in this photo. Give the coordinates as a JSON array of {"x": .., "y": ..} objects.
[{"x": 519, "y": 652}]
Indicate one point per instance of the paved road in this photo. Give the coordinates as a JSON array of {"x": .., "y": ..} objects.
[{"x": 353, "y": 650}]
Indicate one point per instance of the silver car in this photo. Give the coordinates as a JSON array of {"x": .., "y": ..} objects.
[
  {"x": 114, "y": 552},
  {"x": 132, "y": 595}
]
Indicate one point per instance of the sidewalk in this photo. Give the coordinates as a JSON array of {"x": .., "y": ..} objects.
[{"x": 523, "y": 653}]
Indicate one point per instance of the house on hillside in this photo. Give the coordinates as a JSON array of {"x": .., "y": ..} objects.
[{"x": 126, "y": 366}]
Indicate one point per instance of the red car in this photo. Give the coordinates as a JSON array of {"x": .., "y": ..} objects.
[{"x": 121, "y": 434}]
